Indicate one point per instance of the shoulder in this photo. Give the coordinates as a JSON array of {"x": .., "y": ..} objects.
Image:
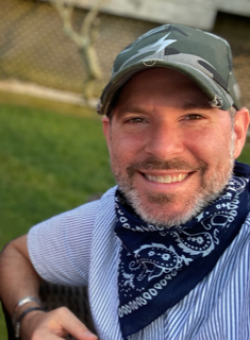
[
  {"x": 82, "y": 216},
  {"x": 89, "y": 210},
  {"x": 64, "y": 243}
]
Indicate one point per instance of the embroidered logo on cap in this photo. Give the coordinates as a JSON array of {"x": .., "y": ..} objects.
[{"x": 216, "y": 102}]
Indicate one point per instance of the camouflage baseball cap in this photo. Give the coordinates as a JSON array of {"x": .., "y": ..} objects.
[{"x": 201, "y": 56}]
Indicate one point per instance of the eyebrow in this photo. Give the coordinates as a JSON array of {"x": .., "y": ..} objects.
[
  {"x": 198, "y": 104},
  {"x": 133, "y": 109}
]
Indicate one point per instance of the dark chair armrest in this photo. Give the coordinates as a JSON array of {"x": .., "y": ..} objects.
[{"x": 8, "y": 322}]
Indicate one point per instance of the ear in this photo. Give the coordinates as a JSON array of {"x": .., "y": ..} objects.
[
  {"x": 106, "y": 125},
  {"x": 241, "y": 123}
]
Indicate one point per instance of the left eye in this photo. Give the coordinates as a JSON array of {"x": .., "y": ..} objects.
[
  {"x": 136, "y": 120},
  {"x": 193, "y": 117}
]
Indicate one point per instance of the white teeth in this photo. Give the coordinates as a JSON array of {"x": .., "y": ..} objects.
[{"x": 166, "y": 179}]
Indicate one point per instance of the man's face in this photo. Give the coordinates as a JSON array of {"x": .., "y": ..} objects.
[{"x": 171, "y": 153}]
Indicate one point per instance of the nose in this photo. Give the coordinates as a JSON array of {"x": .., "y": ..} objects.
[{"x": 164, "y": 141}]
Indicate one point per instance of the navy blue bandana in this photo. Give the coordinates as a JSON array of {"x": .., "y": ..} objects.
[{"x": 158, "y": 267}]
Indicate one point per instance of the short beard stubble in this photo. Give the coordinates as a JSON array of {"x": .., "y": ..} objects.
[{"x": 145, "y": 207}]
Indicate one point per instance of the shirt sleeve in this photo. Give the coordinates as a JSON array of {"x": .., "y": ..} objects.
[{"x": 60, "y": 247}]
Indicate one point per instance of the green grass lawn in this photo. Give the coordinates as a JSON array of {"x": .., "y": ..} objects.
[{"x": 49, "y": 163}]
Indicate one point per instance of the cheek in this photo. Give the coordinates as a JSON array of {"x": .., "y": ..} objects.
[
  {"x": 211, "y": 147},
  {"x": 126, "y": 145}
]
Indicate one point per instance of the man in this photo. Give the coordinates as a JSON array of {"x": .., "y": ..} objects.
[{"x": 165, "y": 254}]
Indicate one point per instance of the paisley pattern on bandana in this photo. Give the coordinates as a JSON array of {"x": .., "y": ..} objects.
[{"x": 159, "y": 267}]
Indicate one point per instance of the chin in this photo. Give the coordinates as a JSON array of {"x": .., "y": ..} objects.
[{"x": 164, "y": 212}]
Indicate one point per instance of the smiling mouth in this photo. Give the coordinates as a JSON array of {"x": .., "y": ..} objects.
[{"x": 166, "y": 179}]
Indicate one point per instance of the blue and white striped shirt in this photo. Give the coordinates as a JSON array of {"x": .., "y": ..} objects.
[{"x": 79, "y": 247}]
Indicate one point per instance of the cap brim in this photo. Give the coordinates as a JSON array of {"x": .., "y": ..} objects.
[{"x": 212, "y": 89}]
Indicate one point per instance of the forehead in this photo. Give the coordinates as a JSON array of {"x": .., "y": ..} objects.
[{"x": 163, "y": 86}]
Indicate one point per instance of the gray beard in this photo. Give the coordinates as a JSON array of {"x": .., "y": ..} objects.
[
  {"x": 208, "y": 192},
  {"x": 198, "y": 204}
]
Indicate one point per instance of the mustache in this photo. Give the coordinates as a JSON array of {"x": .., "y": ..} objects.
[{"x": 171, "y": 164}]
